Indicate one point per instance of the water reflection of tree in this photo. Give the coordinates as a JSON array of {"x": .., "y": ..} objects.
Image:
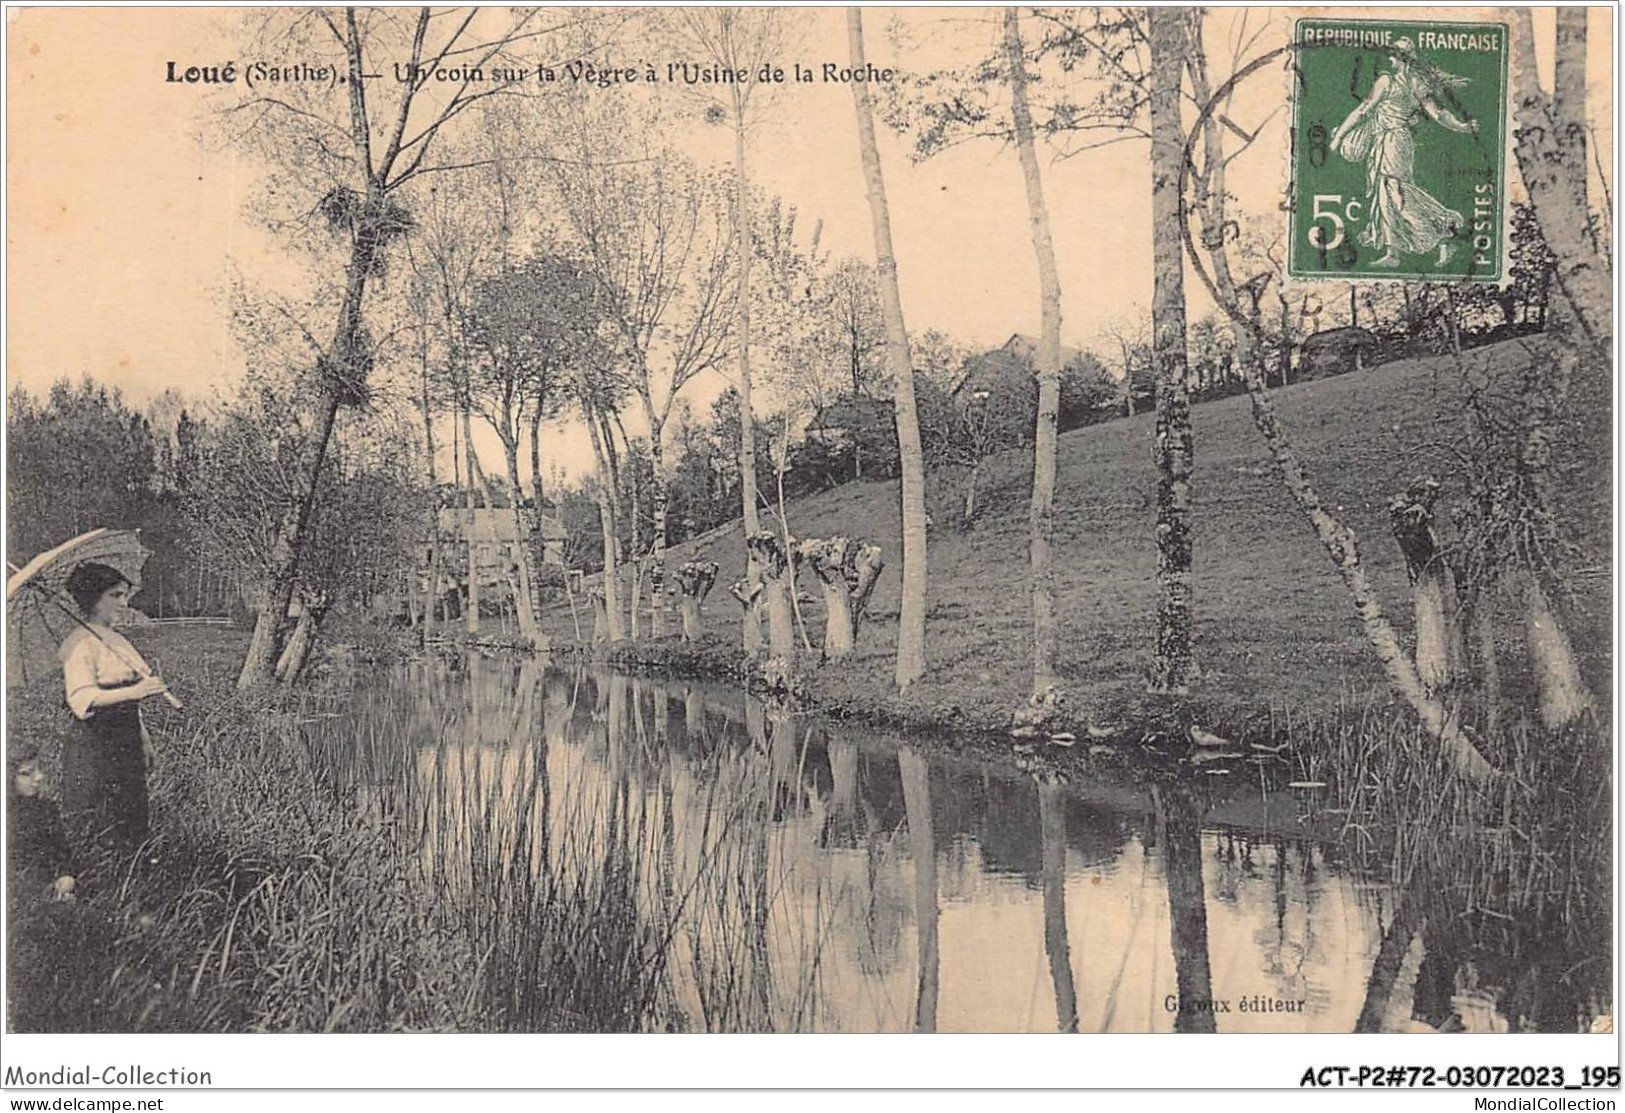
[
  {"x": 1179, "y": 832},
  {"x": 922, "y": 848},
  {"x": 1052, "y": 823}
]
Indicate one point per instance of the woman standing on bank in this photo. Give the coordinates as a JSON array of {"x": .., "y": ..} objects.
[{"x": 105, "y": 761}]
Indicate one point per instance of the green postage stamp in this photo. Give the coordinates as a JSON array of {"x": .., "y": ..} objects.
[{"x": 1398, "y": 151}]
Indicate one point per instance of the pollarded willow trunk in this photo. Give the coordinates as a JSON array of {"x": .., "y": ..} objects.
[
  {"x": 1562, "y": 692},
  {"x": 694, "y": 580},
  {"x": 750, "y": 594},
  {"x": 657, "y": 552},
  {"x": 778, "y": 567},
  {"x": 1339, "y": 543},
  {"x": 1042, "y": 514},
  {"x": 1438, "y": 609},
  {"x": 600, "y": 615},
  {"x": 847, "y": 571},
  {"x": 297, "y": 652},
  {"x": 911, "y": 618},
  {"x": 1173, "y": 444}
]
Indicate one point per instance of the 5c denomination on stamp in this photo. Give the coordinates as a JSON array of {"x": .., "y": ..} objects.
[{"x": 1398, "y": 151}]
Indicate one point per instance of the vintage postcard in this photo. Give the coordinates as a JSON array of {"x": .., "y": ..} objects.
[{"x": 718, "y": 520}]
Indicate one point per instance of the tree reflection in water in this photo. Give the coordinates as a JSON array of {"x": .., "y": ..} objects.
[
  {"x": 923, "y": 854},
  {"x": 739, "y": 867},
  {"x": 1052, "y": 813},
  {"x": 1179, "y": 828}
]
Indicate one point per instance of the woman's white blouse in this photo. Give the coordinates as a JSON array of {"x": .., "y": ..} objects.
[{"x": 90, "y": 663}]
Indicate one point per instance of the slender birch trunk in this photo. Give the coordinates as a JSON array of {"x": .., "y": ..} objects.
[
  {"x": 659, "y": 495},
  {"x": 911, "y": 621},
  {"x": 617, "y": 509},
  {"x": 751, "y": 623},
  {"x": 535, "y": 538},
  {"x": 432, "y": 581},
  {"x": 259, "y": 665},
  {"x": 1173, "y": 444},
  {"x": 476, "y": 479},
  {"x": 1042, "y": 515},
  {"x": 525, "y": 607},
  {"x": 1339, "y": 543},
  {"x": 606, "y": 518},
  {"x": 1550, "y": 132}
]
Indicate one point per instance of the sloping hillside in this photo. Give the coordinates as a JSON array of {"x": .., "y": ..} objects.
[{"x": 1272, "y": 623}]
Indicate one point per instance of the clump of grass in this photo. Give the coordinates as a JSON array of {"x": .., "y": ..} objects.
[{"x": 1516, "y": 879}]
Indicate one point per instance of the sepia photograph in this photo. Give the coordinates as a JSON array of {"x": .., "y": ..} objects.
[{"x": 809, "y": 520}]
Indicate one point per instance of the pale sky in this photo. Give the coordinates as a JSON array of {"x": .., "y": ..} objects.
[{"x": 124, "y": 224}]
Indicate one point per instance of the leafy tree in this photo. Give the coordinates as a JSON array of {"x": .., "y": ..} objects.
[
  {"x": 81, "y": 459},
  {"x": 529, "y": 326}
]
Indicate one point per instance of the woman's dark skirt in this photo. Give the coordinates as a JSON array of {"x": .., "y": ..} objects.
[{"x": 104, "y": 783}]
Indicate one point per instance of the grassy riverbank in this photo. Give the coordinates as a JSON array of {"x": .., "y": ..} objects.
[
  {"x": 1274, "y": 631},
  {"x": 312, "y": 869}
]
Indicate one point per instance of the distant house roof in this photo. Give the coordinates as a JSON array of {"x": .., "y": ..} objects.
[
  {"x": 1027, "y": 347},
  {"x": 1010, "y": 361}
]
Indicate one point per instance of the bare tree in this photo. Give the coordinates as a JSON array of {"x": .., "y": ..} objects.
[
  {"x": 911, "y": 622},
  {"x": 741, "y": 40},
  {"x": 359, "y": 159},
  {"x": 1042, "y": 524},
  {"x": 657, "y": 239},
  {"x": 1173, "y": 445}
]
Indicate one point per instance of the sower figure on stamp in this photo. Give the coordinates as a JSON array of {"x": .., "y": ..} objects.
[{"x": 1381, "y": 133}]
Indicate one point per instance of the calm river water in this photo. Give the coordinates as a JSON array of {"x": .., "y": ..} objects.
[{"x": 847, "y": 882}]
